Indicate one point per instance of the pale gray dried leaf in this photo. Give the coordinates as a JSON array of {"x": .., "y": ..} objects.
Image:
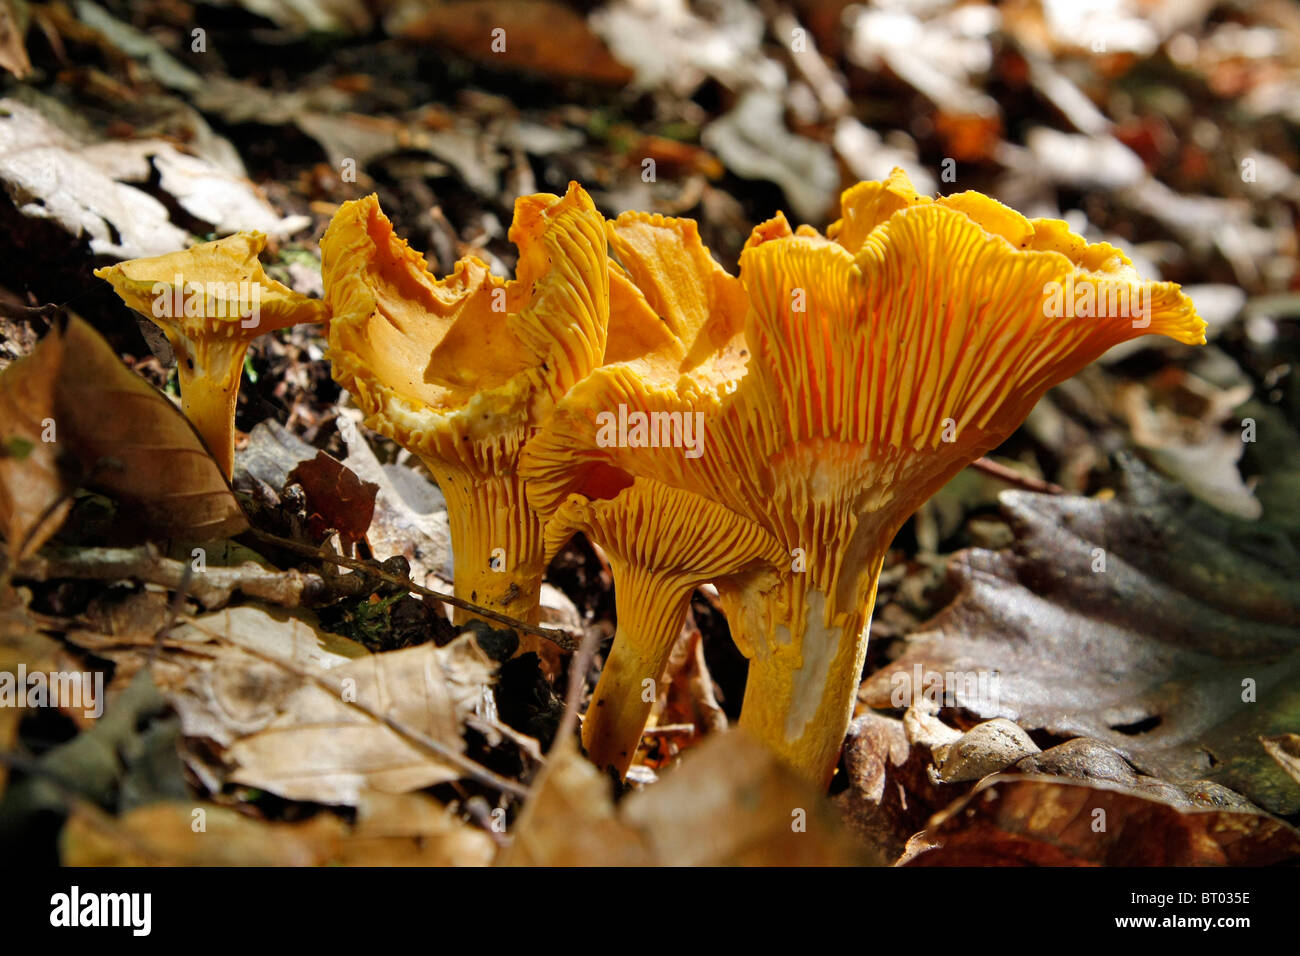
[
  {"x": 48, "y": 176},
  {"x": 205, "y": 190},
  {"x": 271, "y": 453},
  {"x": 165, "y": 68},
  {"x": 424, "y": 539},
  {"x": 941, "y": 57},
  {"x": 319, "y": 748},
  {"x": 1095, "y": 162},
  {"x": 868, "y": 156},
  {"x": 753, "y": 142},
  {"x": 672, "y": 46},
  {"x": 361, "y": 139}
]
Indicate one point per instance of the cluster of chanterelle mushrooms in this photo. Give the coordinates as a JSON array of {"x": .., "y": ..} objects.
[{"x": 768, "y": 433}]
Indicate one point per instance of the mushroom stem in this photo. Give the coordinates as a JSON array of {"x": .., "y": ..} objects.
[
  {"x": 496, "y": 546},
  {"x": 209, "y": 395},
  {"x": 805, "y": 663},
  {"x": 650, "y": 611}
]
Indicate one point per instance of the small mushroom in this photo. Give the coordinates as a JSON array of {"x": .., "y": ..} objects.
[
  {"x": 211, "y": 301},
  {"x": 462, "y": 371}
]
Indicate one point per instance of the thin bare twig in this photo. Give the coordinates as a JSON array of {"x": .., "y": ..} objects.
[
  {"x": 1013, "y": 477},
  {"x": 557, "y": 636},
  {"x": 577, "y": 677}
]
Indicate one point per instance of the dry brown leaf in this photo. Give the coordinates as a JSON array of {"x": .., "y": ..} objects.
[
  {"x": 220, "y": 672},
  {"x": 135, "y": 446},
  {"x": 13, "y": 50},
  {"x": 73, "y": 401},
  {"x": 267, "y": 688},
  {"x": 1152, "y": 623},
  {"x": 547, "y": 37},
  {"x": 890, "y": 794},
  {"x": 337, "y": 500},
  {"x": 35, "y": 494},
  {"x": 410, "y": 830},
  {"x": 570, "y": 819},
  {"x": 1034, "y": 821},
  {"x": 729, "y": 802},
  {"x": 71, "y": 413}
]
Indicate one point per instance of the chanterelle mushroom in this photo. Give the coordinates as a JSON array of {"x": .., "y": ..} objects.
[
  {"x": 676, "y": 317},
  {"x": 880, "y": 364},
  {"x": 462, "y": 371},
  {"x": 211, "y": 301}
]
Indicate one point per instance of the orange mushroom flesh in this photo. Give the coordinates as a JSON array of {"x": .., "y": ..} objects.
[
  {"x": 676, "y": 318},
  {"x": 462, "y": 371},
  {"x": 881, "y": 363},
  {"x": 211, "y": 301}
]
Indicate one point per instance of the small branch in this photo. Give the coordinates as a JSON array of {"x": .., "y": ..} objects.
[
  {"x": 1013, "y": 477},
  {"x": 213, "y": 587},
  {"x": 560, "y": 638},
  {"x": 577, "y": 679}
]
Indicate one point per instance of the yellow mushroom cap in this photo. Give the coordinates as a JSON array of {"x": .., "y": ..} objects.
[
  {"x": 210, "y": 301},
  {"x": 463, "y": 370},
  {"x": 464, "y": 367}
]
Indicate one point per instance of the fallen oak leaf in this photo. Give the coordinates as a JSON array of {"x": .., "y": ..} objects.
[{"x": 326, "y": 745}]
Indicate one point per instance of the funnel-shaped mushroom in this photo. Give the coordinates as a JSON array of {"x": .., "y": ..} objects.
[
  {"x": 880, "y": 365},
  {"x": 211, "y": 301},
  {"x": 462, "y": 371},
  {"x": 676, "y": 318}
]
